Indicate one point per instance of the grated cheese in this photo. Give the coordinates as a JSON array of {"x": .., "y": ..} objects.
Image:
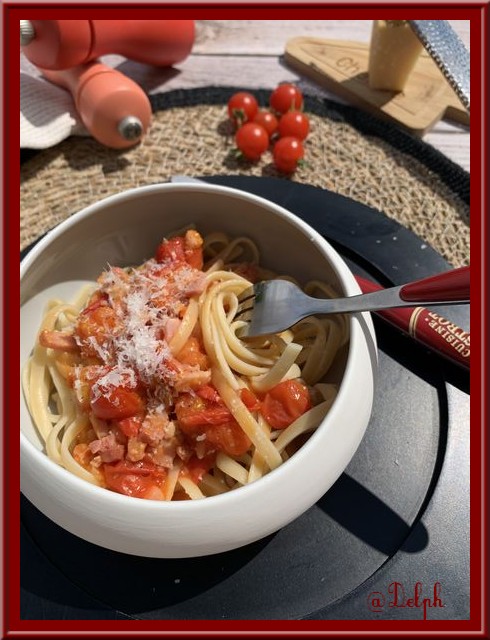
[{"x": 144, "y": 299}]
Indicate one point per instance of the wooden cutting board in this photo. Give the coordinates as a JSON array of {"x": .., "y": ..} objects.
[{"x": 342, "y": 68}]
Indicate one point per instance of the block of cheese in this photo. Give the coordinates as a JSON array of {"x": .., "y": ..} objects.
[
  {"x": 342, "y": 68},
  {"x": 393, "y": 53}
]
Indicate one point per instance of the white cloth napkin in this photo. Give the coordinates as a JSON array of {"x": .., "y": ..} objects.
[{"x": 47, "y": 112}]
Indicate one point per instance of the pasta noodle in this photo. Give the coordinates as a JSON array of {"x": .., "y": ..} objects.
[{"x": 142, "y": 386}]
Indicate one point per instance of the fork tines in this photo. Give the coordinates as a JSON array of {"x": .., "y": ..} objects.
[{"x": 245, "y": 304}]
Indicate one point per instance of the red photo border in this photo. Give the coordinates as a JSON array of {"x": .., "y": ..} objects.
[{"x": 12, "y": 625}]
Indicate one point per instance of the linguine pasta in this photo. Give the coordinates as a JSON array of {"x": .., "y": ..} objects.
[{"x": 141, "y": 385}]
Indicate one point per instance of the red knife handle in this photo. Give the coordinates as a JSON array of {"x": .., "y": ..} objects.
[{"x": 427, "y": 327}]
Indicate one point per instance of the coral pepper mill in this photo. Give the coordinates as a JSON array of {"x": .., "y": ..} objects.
[{"x": 113, "y": 108}]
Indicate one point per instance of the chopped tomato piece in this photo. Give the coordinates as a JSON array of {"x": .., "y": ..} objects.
[
  {"x": 180, "y": 249},
  {"x": 97, "y": 321},
  {"x": 229, "y": 437},
  {"x": 208, "y": 416},
  {"x": 137, "y": 479},
  {"x": 172, "y": 250},
  {"x": 193, "y": 354},
  {"x": 130, "y": 426},
  {"x": 197, "y": 467},
  {"x": 117, "y": 403},
  {"x": 197, "y": 416},
  {"x": 188, "y": 404},
  {"x": 284, "y": 403},
  {"x": 208, "y": 392},
  {"x": 249, "y": 399},
  {"x": 194, "y": 258},
  {"x": 194, "y": 412}
]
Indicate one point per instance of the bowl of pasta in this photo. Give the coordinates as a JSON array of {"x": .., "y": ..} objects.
[{"x": 148, "y": 426}]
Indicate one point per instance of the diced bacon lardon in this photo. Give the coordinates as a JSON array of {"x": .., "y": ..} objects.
[
  {"x": 108, "y": 448},
  {"x": 59, "y": 341}
]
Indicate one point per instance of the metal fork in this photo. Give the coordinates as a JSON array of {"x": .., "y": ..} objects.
[{"x": 275, "y": 305}]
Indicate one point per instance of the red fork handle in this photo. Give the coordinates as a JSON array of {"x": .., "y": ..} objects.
[
  {"x": 427, "y": 327},
  {"x": 449, "y": 286}
]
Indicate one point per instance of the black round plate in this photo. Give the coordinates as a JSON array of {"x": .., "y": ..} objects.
[{"x": 375, "y": 512}]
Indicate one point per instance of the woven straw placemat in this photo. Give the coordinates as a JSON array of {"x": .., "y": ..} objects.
[{"x": 347, "y": 152}]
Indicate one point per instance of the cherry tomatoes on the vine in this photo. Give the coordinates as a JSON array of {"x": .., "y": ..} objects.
[
  {"x": 242, "y": 107},
  {"x": 288, "y": 152},
  {"x": 252, "y": 140},
  {"x": 286, "y": 97},
  {"x": 267, "y": 120},
  {"x": 295, "y": 124}
]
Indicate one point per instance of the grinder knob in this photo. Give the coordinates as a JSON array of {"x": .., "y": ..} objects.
[{"x": 114, "y": 109}]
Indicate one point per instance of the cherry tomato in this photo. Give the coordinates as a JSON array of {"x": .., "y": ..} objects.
[
  {"x": 192, "y": 353},
  {"x": 198, "y": 415},
  {"x": 288, "y": 152},
  {"x": 130, "y": 426},
  {"x": 295, "y": 124},
  {"x": 192, "y": 421},
  {"x": 194, "y": 412},
  {"x": 208, "y": 392},
  {"x": 284, "y": 403},
  {"x": 172, "y": 250},
  {"x": 117, "y": 403},
  {"x": 267, "y": 120},
  {"x": 95, "y": 325},
  {"x": 194, "y": 258},
  {"x": 286, "y": 97},
  {"x": 196, "y": 467},
  {"x": 229, "y": 437},
  {"x": 249, "y": 399},
  {"x": 252, "y": 140},
  {"x": 242, "y": 107},
  {"x": 178, "y": 250},
  {"x": 137, "y": 479}
]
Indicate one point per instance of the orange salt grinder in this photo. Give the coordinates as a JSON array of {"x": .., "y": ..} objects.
[
  {"x": 61, "y": 44},
  {"x": 115, "y": 110}
]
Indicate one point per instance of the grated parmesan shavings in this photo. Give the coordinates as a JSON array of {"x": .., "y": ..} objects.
[{"x": 144, "y": 299}]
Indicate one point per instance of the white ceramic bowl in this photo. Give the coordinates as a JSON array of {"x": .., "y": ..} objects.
[{"x": 125, "y": 229}]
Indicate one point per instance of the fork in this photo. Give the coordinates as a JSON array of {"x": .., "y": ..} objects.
[{"x": 275, "y": 305}]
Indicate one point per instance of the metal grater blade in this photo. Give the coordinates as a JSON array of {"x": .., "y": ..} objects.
[{"x": 448, "y": 52}]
